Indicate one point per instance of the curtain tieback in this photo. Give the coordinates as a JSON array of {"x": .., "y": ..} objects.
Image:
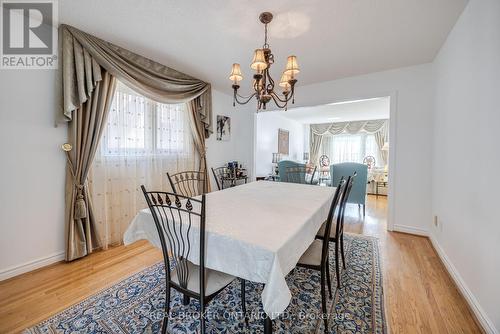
[
  {"x": 80, "y": 205},
  {"x": 203, "y": 154}
]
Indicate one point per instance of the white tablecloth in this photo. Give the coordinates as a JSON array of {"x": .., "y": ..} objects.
[{"x": 257, "y": 231}]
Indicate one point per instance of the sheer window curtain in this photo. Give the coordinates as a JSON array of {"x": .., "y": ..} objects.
[
  {"x": 143, "y": 139},
  {"x": 351, "y": 148}
]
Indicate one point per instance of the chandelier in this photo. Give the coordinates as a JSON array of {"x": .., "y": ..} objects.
[{"x": 263, "y": 83}]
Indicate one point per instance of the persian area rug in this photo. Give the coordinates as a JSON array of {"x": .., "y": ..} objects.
[{"x": 135, "y": 305}]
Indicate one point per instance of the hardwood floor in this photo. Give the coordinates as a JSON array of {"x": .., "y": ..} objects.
[{"x": 420, "y": 295}]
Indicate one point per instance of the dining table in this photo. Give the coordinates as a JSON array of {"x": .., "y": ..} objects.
[{"x": 257, "y": 231}]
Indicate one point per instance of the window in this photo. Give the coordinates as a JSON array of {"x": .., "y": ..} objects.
[
  {"x": 350, "y": 148},
  {"x": 139, "y": 126},
  {"x": 142, "y": 141}
]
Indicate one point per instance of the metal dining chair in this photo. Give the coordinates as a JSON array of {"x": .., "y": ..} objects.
[
  {"x": 297, "y": 174},
  {"x": 219, "y": 174},
  {"x": 336, "y": 234},
  {"x": 175, "y": 218},
  {"x": 316, "y": 257},
  {"x": 188, "y": 183}
]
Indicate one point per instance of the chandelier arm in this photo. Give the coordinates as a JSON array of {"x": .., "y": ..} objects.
[
  {"x": 245, "y": 97},
  {"x": 236, "y": 96},
  {"x": 271, "y": 82},
  {"x": 277, "y": 101},
  {"x": 288, "y": 97}
]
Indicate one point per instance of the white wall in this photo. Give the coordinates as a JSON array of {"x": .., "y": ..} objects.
[
  {"x": 267, "y": 127},
  {"x": 240, "y": 146},
  {"x": 412, "y": 89},
  {"x": 466, "y": 157},
  {"x": 32, "y": 170}
]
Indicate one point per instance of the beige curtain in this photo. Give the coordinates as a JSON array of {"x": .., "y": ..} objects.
[
  {"x": 199, "y": 135},
  {"x": 381, "y": 137},
  {"x": 89, "y": 66},
  {"x": 84, "y": 132},
  {"x": 314, "y": 147}
]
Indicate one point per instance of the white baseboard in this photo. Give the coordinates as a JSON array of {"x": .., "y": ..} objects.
[
  {"x": 410, "y": 230},
  {"x": 476, "y": 308},
  {"x": 30, "y": 266}
]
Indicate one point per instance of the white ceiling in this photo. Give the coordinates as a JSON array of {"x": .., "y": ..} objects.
[
  {"x": 361, "y": 110},
  {"x": 331, "y": 38}
]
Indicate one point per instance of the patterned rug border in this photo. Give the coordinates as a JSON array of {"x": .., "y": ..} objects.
[
  {"x": 86, "y": 299},
  {"x": 386, "y": 329},
  {"x": 102, "y": 291},
  {"x": 380, "y": 264}
]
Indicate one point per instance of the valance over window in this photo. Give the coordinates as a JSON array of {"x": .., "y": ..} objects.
[
  {"x": 84, "y": 54},
  {"x": 378, "y": 127},
  {"x": 348, "y": 127}
]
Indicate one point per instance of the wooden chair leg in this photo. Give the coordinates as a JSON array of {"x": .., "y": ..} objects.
[{"x": 337, "y": 269}]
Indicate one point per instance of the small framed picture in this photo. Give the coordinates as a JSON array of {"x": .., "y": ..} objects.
[{"x": 223, "y": 128}]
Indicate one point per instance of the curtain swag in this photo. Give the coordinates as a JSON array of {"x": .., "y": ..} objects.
[
  {"x": 90, "y": 67},
  {"x": 349, "y": 127},
  {"x": 84, "y": 54}
]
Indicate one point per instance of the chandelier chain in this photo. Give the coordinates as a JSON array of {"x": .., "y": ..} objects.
[{"x": 266, "y": 45}]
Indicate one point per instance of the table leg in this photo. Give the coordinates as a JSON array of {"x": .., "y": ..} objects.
[{"x": 268, "y": 324}]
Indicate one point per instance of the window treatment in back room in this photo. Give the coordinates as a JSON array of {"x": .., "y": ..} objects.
[
  {"x": 142, "y": 140},
  {"x": 350, "y": 141},
  {"x": 351, "y": 148}
]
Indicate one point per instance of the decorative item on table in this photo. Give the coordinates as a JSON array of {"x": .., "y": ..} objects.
[
  {"x": 223, "y": 128},
  {"x": 276, "y": 159},
  {"x": 236, "y": 170},
  {"x": 263, "y": 83},
  {"x": 232, "y": 166}
]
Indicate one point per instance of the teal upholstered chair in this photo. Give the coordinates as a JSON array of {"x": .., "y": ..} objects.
[
  {"x": 282, "y": 167},
  {"x": 286, "y": 165},
  {"x": 358, "y": 191}
]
